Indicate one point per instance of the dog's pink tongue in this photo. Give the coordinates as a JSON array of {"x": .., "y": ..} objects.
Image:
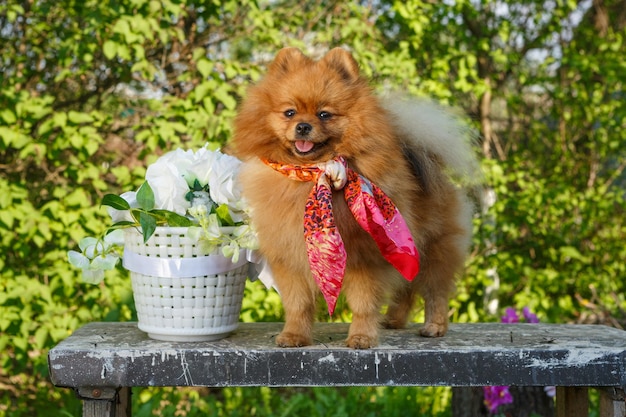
[{"x": 304, "y": 145}]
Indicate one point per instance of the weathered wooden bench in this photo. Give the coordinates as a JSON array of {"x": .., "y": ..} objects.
[{"x": 101, "y": 361}]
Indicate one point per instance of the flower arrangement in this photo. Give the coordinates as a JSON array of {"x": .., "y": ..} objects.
[{"x": 183, "y": 188}]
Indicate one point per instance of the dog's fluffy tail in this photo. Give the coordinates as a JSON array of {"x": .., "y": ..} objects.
[
  {"x": 436, "y": 137},
  {"x": 441, "y": 132}
]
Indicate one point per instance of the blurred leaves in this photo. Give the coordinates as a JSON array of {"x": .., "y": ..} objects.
[{"x": 90, "y": 92}]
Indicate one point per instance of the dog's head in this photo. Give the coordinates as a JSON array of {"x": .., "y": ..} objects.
[{"x": 305, "y": 111}]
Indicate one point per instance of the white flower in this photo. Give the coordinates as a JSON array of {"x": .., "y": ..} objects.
[
  {"x": 194, "y": 233},
  {"x": 93, "y": 276},
  {"x": 97, "y": 256},
  {"x": 231, "y": 251},
  {"x": 201, "y": 167},
  {"x": 104, "y": 263},
  {"x": 78, "y": 259},
  {"x": 224, "y": 187},
  {"x": 166, "y": 179},
  {"x": 93, "y": 269},
  {"x": 124, "y": 215},
  {"x": 213, "y": 230},
  {"x": 89, "y": 246},
  {"x": 115, "y": 238},
  {"x": 178, "y": 158},
  {"x": 246, "y": 236},
  {"x": 209, "y": 235}
]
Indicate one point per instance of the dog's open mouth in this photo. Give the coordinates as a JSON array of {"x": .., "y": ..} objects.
[{"x": 306, "y": 147}]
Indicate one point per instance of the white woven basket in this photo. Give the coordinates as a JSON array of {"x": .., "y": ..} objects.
[{"x": 173, "y": 306}]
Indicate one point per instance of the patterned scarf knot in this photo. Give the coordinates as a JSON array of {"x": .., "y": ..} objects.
[{"x": 372, "y": 209}]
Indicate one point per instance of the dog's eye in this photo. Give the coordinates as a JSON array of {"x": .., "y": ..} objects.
[
  {"x": 289, "y": 113},
  {"x": 324, "y": 115}
]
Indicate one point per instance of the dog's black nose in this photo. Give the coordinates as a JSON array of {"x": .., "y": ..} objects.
[{"x": 303, "y": 129}]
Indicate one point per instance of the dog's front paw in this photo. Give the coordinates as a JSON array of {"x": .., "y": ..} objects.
[
  {"x": 288, "y": 339},
  {"x": 433, "y": 330},
  {"x": 360, "y": 341}
]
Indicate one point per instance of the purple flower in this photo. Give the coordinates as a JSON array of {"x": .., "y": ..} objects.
[
  {"x": 510, "y": 316},
  {"x": 529, "y": 316},
  {"x": 495, "y": 397}
]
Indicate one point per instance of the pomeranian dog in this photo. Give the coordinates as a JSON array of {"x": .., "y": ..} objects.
[{"x": 305, "y": 113}]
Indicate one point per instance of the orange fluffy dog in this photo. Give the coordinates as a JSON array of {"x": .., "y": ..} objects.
[{"x": 307, "y": 112}]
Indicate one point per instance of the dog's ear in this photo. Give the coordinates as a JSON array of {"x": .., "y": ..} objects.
[
  {"x": 287, "y": 59},
  {"x": 342, "y": 61}
]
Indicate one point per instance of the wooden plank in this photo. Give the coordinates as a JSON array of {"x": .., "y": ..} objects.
[
  {"x": 98, "y": 408},
  {"x": 123, "y": 406},
  {"x": 612, "y": 403},
  {"x": 105, "y": 402},
  {"x": 572, "y": 402},
  {"x": 119, "y": 355}
]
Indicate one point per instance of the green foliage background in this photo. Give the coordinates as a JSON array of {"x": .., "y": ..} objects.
[{"x": 91, "y": 92}]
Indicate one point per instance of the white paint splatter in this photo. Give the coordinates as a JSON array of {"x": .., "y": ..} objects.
[
  {"x": 185, "y": 367},
  {"x": 376, "y": 362},
  {"x": 574, "y": 359},
  {"x": 330, "y": 358},
  {"x": 107, "y": 366}
]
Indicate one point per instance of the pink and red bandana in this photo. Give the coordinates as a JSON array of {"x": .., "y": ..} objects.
[{"x": 372, "y": 209}]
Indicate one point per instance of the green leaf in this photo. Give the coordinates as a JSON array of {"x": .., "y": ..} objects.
[
  {"x": 8, "y": 116},
  {"x": 115, "y": 201},
  {"x": 145, "y": 196},
  {"x": 135, "y": 213},
  {"x": 204, "y": 67},
  {"x": 223, "y": 95},
  {"x": 148, "y": 225},
  {"x": 120, "y": 225},
  {"x": 173, "y": 219},
  {"x": 224, "y": 215},
  {"x": 41, "y": 334},
  {"x": 79, "y": 117},
  {"x": 110, "y": 49}
]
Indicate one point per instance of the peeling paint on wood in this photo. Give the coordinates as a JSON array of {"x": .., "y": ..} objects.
[{"x": 119, "y": 355}]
